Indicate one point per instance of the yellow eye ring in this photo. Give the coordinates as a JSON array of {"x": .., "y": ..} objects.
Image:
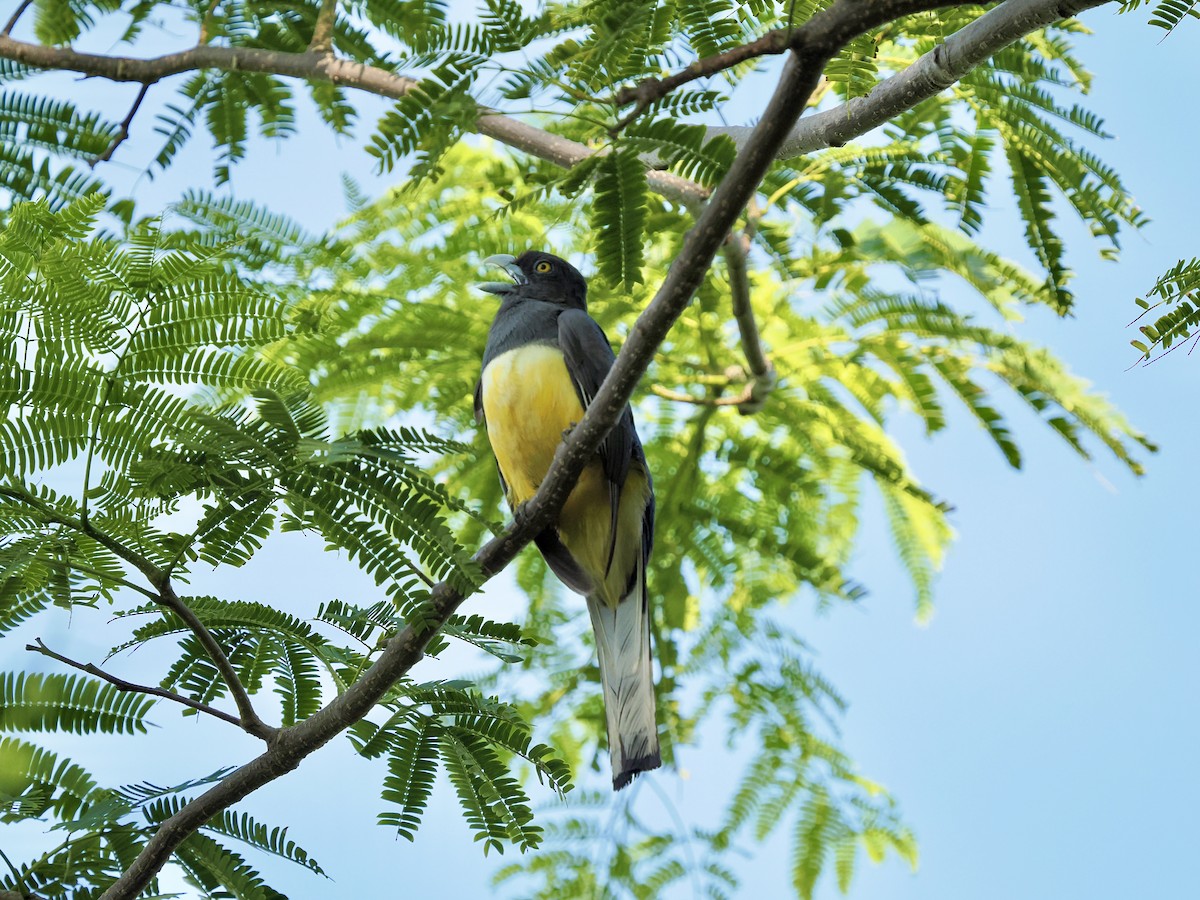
[{"x": 542, "y": 268}]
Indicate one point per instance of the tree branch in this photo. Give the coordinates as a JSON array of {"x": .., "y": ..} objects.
[
  {"x": 553, "y": 148},
  {"x": 932, "y": 73},
  {"x": 762, "y": 375},
  {"x": 16, "y": 16},
  {"x": 322, "y": 39},
  {"x": 165, "y": 596},
  {"x": 123, "y": 132},
  {"x": 742, "y": 397},
  {"x": 248, "y": 719},
  {"x": 152, "y": 572},
  {"x": 122, "y": 685},
  {"x": 815, "y": 43},
  {"x": 649, "y": 90},
  {"x": 927, "y": 77}
]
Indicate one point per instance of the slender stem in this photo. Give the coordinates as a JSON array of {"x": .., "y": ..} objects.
[
  {"x": 122, "y": 685},
  {"x": 152, "y": 572},
  {"x": 112, "y": 378},
  {"x": 649, "y": 90},
  {"x": 322, "y": 39},
  {"x": 12, "y": 22},
  {"x": 88, "y": 570},
  {"x": 741, "y": 399},
  {"x": 762, "y": 373},
  {"x": 248, "y": 718},
  {"x": 18, "y": 881},
  {"x": 123, "y": 132},
  {"x": 206, "y": 23}
]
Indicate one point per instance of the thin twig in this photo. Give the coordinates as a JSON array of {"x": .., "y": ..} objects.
[
  {"x": 322, "y": 39},
  {"x": 88, "y": 570},
  {"x": 123, "y": 131},
  {"x": 12, "y": 22},
  {"x": 50, "y": 514},
  {"x": 248, "y": 718},
  {"x": 762, "y": 372},
  {"x": 650, "y": 90},
  {"x": 206, "y": 23},
  {"x": 122, "y": 685}
]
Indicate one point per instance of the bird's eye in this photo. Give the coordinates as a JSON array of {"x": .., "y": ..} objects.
[{"x": 542, "y": 268}]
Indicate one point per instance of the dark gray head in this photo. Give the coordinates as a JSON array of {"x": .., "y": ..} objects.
[{"x": 539, "y": 276}]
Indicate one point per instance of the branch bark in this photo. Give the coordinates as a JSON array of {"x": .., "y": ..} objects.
[
  {"x": 16, "y": 16},
  {"x": 761, "y": 376},
  {"x": 927, "y": 77},
  {"x": 122, "y": 685},
  {"x": 816, "y": 41},
  {"x": 248, "y": 719},
  {"x": 322, "y": 39}
]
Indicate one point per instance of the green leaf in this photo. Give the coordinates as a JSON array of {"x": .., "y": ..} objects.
[
  {"x": 619, "y": 218},
  {"x": 71, "y": 703}
]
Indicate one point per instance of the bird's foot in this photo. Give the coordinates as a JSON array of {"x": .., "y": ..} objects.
[
  {"x": 520, "y": 516},
  {"x": 566, "y": 432}
]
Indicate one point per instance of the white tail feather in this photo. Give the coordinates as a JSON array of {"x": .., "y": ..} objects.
[{"x": 623, "y": 647}]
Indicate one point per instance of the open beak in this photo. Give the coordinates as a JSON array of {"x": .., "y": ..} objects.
[{"x": 509, "y": 265}]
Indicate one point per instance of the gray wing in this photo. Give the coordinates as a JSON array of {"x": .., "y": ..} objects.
[{"x": 589, "y": 356}]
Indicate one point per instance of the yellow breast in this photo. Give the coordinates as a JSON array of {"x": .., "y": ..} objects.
[{"x": 528, "y": 401}]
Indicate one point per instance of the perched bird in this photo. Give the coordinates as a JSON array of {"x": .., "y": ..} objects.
[{"x": 544, "y": 362}]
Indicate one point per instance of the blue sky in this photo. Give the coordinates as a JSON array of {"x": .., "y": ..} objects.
[{"x": 1040, "y": 732}]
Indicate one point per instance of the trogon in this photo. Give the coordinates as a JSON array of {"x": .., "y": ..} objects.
[{"x": 544, "y": 362}]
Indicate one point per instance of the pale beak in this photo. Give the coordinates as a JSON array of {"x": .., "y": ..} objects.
[{"x": 508, "y": 264}]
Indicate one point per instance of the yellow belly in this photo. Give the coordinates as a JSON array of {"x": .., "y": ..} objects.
[{"x": 528, "y": 401}]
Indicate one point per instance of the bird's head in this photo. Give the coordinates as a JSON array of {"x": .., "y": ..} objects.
[{"x": 539, "y": 276}]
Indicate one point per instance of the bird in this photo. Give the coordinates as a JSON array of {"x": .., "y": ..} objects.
[{"x": 544, "y": 361}]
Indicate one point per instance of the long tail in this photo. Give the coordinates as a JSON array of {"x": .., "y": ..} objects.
[{"x": 623, "y": 646}]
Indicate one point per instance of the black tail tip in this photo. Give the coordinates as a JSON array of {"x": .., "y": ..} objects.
[{"x": 635, "y": 766}]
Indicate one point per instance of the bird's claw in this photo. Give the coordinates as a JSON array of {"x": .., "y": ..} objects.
[{"x": 566, "y": 432}]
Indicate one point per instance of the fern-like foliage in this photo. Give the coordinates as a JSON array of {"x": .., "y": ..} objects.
[
  {"x": 1174, "y": 306},
  {"x": 49, "y": 703},
  {"x": 151, "y": 368},
  {"x": 1166, "y": 14}
]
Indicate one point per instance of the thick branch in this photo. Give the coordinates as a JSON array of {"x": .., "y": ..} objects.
[
  {"x": 817, "y": 40},
  {"x": 927, "y": 77},
  {"x": 122, "y": 685},
  {"x": 320, "y": 67},
  {"x": 247, "y": 718}
]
